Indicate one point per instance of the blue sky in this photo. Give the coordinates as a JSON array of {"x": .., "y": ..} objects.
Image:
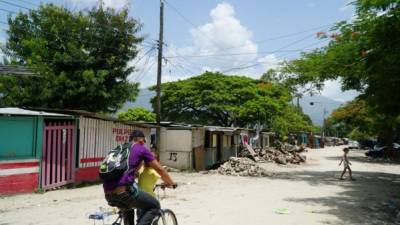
[{"x": 235, "y": 36}]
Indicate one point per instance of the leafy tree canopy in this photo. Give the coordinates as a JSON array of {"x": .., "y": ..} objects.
[
  {"x": 364, "y": 54},
  {"x": 218, "y": 99},
  {"x": 81, "y": 58},
  {"x": 353, "y": 120},
  {"x": 137, "y": 114}
]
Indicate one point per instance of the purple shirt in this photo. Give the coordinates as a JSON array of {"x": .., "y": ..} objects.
[{"x": 138, "y": 154}]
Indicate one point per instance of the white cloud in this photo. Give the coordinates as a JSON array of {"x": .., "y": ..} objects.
[
  {"x": 332, "y": 89},
  {"x": 223, "y": 35},
  {"x": 116, "y": 4},
  {"x": 270, "y": 62},
  {"x": 223, "y": 41},
  {"x": 222, "y": 44}
]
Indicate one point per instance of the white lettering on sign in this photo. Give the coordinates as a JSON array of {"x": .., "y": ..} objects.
[{"x": 121, "y": 134}]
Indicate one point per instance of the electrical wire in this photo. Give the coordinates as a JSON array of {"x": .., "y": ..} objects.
[
  {"x": 246, "y": 66},
  {"x": 144, "y": 69},
  {"x": 260, "y": 41},
  {"x": 15, "y": 5},
  {"x": 9, "y": 11},
  {"x": 29, "y": 3}
]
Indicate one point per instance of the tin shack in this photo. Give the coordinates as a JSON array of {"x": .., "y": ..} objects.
[{"x": 35, "y": 147}]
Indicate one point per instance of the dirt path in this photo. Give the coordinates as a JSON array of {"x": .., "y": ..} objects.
[{"x": 311, "y": 194}]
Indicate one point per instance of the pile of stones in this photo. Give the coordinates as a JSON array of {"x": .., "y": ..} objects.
[{"x": 242, "y": 167}]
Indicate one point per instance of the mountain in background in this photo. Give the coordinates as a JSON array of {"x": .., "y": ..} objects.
[{"x": 315, "y": 111}]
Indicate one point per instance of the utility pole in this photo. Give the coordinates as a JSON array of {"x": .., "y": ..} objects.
[{"x": 159, "y": 72}]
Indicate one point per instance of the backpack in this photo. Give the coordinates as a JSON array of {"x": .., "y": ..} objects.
[{"x": 116, "y": 163}]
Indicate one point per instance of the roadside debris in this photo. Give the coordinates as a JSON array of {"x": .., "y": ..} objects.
[
  {"x": 282, "y": 211},
  {"x": 242, "y": 167},
  {"x": 170, "y": 169},
  {"x": 283, "y": 154},
  {"x": 246, "y": 164}
]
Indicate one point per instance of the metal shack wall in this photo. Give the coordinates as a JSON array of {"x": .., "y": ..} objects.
[
  {"x": 96, "y": 138},
  {"x": 20, "y": 152}
]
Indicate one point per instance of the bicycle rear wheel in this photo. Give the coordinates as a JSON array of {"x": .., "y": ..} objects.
[{"x": 167, "y": 218}]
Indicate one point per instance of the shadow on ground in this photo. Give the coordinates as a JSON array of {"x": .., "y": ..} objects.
[
  {"x": 374, "y": 198},
  {"x": 363, "y": 159}
]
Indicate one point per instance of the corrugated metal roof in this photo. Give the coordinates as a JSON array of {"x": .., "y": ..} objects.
[
  {"x": 24, "y": 112},
  {"x": 84, "y": 113},
  {"x": 223, "y": 129},
  {"x": 15, "y": 70}
]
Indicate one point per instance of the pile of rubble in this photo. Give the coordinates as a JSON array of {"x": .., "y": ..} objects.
[
  {"x": 282, "y": 156},
  {"x": 283, "y": 153},
  {"x": 246, "y": 163},
  {"x": 242, "y": 167}
]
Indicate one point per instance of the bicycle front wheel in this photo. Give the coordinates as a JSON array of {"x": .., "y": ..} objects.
[{"x": 168, "y": 218}]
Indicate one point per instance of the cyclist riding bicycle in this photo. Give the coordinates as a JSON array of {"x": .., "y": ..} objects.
[{"x": 124, "y": 190}]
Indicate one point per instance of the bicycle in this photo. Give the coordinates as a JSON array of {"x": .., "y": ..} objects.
[{"x": 127, "y": 216}]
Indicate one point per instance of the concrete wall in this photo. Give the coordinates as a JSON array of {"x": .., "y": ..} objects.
[{"x": 176, "y": 148}]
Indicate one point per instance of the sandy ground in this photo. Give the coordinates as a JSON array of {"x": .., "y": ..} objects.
[{"x": 311, "y": 194}]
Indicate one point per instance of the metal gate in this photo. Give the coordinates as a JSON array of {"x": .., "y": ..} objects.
[{"x": 57, "y": 154}]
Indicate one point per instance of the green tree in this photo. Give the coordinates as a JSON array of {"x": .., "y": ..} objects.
[
  {"x": 291, "y": 120},
  {"x": 217, "y": 99},
  {"x": 81, "y": 58},
  {"x": 364, "y": 54},
  {"x": 353, "y": 120},
  {"x": 137, "y": 114}
]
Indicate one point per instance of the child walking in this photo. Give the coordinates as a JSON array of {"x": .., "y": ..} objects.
[{"x": 346, "y": 164}]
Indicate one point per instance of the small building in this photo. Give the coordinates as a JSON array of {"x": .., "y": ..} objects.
[
  {"x": 179, "y": 144},
  {"x": 302, "y": 138},
  {"x": 35, "y": 147},
  {"x": 221, "y": 143},
  {"x": 47, "y": 148},
  {"x": 197, "y": 147},
  {"x": 267, "y": 139},
  {"x": 315, "y": 141}
]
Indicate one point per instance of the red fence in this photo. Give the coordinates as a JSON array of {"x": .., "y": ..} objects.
[{"x": 57, "y": 154}]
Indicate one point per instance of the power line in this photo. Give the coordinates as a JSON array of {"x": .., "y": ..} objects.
[
  {"x": 144, "y": 55},
  {"x": 182, "y": 67},
  {"x": 29, "y": 3},
  {"x": 9, "y": 11},
  {"x": 282, "y": 36},
  {"x": 261, "y": 41},
  {"x": 231, "y": 54},
  {"x": 184, "y": 17},
  {"x": 248, "y": 53},
  {"x": 16, "y": 5},
  {"x": 249, "y": 64},
  {"x": 259, "y": 63},
  {"x": 180, "y": 14},
  {"x": 142, "y": 75},
  {"x": 144, "y": 68}
]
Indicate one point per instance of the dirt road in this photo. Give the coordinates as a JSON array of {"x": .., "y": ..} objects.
[{"x": 309, "y": 194}]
